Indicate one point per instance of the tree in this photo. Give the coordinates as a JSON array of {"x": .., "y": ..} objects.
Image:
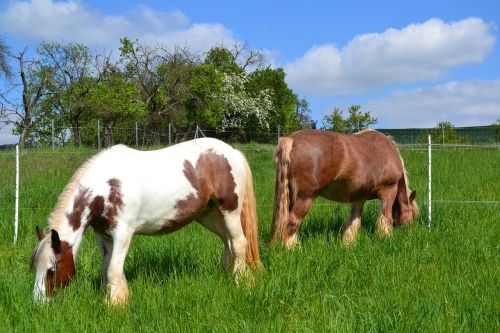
[
  {"x": 236, "y": 59},
  {"x": 284, "y": 100},
  {"x": 223, "y": 60},
  {"x": 114, "y": 100},
  {"x": 356, "y": 121},
  {"x": 75, "y": 71},
  {"x": 303, "y": 114},
  {"x": 496, "y": 126},
  {"x": 4, "y": 56},
  {"x": 242, "y": 111},
  {"x": 445, "y": 132},
  {"x": 162, "y": 77},
  {"x": 205, "y": 106},
  {"x": 32, "y": 84}
]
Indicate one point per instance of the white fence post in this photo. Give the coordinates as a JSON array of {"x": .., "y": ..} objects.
[
  {"x": 16, "y": 213},
  {"x": 429, "y": 203}
]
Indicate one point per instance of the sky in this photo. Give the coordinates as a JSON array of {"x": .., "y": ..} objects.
[{"x": 410, "y": 63}]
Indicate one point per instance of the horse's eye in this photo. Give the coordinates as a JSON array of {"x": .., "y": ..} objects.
[{"x": 51, "y": 271}]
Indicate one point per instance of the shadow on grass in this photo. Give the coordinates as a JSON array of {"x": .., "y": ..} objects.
[
  {"x": 164, "y": 265},
  {"x": 331, "y": 221}
]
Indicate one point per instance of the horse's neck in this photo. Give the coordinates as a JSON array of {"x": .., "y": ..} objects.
[{"x": 71, "y": 236}]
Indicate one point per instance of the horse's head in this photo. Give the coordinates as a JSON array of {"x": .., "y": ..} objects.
[
  {"x": 53, "y": 263},
  {"x": 405, "y": 212}
]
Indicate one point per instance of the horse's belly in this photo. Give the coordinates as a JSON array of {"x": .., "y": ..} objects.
[
  {"x": 160, "y": 219},
  {"x": 160, "y": 227},
  {"x": 344, "y": 191}
]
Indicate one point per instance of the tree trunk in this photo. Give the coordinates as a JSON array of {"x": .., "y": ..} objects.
[
  {"x": 77, "y": 136},
  {"x": 108, "y": 135},
  {"x": 25, "y": 131}
]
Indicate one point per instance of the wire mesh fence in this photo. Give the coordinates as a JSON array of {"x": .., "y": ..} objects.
[{"x": 96, "y": 136}]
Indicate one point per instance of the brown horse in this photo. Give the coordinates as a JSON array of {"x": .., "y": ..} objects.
[{"x": 348, "y": 168}]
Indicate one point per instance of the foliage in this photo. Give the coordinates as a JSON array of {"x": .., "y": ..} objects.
[
  {"x": 4, "y": 62},
  {"x": 226, "y": 88},
  {"x": 222, "y": 59},
  {"x": 444, "y": 133},
  {"x": 114, "y": 100},
  {"x": 355, "y": 121},
  {"x": 243, "y": 111},
  {"x": 205, "y": 106},
  {"x": 303, "y": 114},
  {"x": 496, "y": 125},
  {"x": 284, "y": 100}
]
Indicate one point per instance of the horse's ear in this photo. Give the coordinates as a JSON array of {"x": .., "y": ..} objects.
[
  {"x": 413, "y": 194},
  {"x": 56, "y": 241},
  {"x": 39, "y": 233}
]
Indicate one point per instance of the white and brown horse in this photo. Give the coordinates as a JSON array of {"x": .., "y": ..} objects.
[
  {"x": 121, "y": 192},
  {"x": 347, "y": 168}
]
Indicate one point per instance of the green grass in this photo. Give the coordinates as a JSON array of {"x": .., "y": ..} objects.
[{"x": 445, "y": 279}]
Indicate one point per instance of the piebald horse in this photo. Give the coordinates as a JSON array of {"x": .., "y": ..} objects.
[
  {"x": 121, "y": 192},
  {"x": 347, "y": 168}
]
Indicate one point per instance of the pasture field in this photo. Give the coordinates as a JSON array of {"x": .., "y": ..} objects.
[{"x": 446, "y": 279}]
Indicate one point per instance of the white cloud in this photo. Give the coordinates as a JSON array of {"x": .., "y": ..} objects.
[
  {"x": 418, "y": 52},
  {"x": 72, "y": 21},
  {"x": 466, "y": 103}
]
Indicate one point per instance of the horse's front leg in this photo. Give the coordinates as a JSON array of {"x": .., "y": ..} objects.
[
  {"x": 299, "y": 210},
  {"x": 383, "y": 228},
  {"x": 352, "y": 225},
  {"x": 117, "y": 283},
  {"x": 106, "y": 247}
]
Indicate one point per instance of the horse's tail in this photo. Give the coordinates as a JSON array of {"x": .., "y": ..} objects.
[
  {"x": 282, "y": 189},
  {"x": 249, "y": 221}
]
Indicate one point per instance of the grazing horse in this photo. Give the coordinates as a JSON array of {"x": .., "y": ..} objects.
[
  {"x": 121, "y": 192},
  {"x": 348, "y": 168}
]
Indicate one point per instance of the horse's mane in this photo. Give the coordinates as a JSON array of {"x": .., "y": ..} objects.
[
  {"x": 391, "y": 139},
  {"x": 59, "y": 211}
]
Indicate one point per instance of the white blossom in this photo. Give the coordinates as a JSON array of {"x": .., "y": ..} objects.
[{"x": 241, "y": 106}]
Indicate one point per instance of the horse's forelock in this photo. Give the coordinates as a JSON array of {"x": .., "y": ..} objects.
[{"x": 42, "y": 253}]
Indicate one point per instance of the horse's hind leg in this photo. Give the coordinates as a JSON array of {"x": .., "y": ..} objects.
[
  {"x": 352, "y": 225},
  {"x": 117, "y": 283},
  {"x": 387, "y": 196},
  {"x": 238, "y": 245},
  {"x": 299, "y": 210},
  {"x": 228, "y": 227}
]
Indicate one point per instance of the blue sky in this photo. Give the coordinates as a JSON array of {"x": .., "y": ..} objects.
[{"x": 411, "y": 63}]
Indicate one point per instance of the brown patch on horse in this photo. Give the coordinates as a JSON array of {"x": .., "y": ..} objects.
[
  {"x": 102, "y": 217},
  {"x": 115, "y": 200},
  {"x": 81, "y": 201},
  {"x": 214, "y": 184},
  {"x": 65, "y": 269}
]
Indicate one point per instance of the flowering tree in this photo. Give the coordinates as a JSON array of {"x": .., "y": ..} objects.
[{"x": 242, "y": 109}]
